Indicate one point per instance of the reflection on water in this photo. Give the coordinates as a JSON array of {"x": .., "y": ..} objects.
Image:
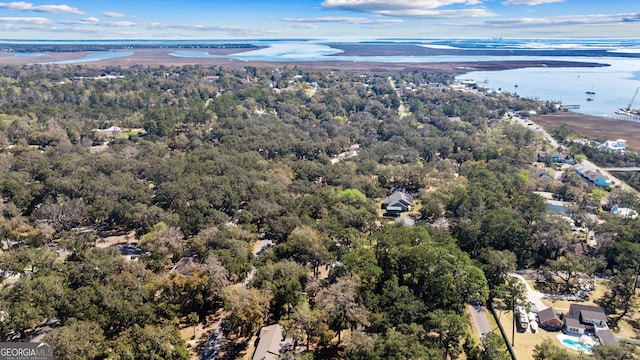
[
  {"x": 103, "y": 55},
  {"x": 20, "y": 55},
  {"x": 613, "y": 85}
]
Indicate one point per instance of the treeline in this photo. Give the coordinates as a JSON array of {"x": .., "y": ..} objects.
[
  {"x": 210, "y": 160},
  {"x": 79, "y": 46}
]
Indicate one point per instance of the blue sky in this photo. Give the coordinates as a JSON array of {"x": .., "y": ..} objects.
[{"x": 326, "y": 19}]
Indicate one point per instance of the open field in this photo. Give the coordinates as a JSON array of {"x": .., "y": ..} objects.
[{"x": 594, "y": 127}]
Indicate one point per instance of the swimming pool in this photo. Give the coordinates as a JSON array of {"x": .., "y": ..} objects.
[{"x": 577, "y": 345}]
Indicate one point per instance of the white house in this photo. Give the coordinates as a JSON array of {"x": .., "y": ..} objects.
[
  {"x": 617, "y": 146},
  {"x": 624, "y": 212}
]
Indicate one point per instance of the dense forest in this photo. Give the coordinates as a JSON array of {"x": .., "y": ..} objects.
[{"x": 203, "y": 162}]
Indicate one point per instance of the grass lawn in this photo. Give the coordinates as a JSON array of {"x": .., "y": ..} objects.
[{"x": 527, "y": 341}]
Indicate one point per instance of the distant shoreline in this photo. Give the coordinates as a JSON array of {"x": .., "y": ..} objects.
[{"x": 161, "y": 56}]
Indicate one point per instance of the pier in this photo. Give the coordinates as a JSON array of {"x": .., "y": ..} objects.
[{"x": 571, "y": 107}]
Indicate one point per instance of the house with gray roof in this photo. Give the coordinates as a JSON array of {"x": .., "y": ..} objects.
[
  {"x": 549, "y": 320},
  {"x": 583, "y": 319},
  {"x": 272, "y": 343},
  {"x": 398, "y": 202}
]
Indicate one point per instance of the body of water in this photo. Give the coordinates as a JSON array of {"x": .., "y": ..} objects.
[
  {"x": 612, "y": 86},
  {"x": 97, "y": 56},
  {"x": 23, "y": 55}
]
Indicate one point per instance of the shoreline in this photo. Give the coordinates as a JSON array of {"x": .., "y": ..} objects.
[{"x": 157, "y": 57}]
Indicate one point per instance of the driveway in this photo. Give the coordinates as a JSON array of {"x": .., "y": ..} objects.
[{"x": 532, "y": 295}]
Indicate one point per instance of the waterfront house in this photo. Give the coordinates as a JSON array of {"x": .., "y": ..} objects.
[
  {"x": 618, "y": 146},
  {"x": 555, "y": 157},
  {"x": 592, "y": 176}
]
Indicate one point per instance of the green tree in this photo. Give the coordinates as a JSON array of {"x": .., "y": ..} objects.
[
  {"x": 247, "y": 308},
  {"x": 497, "y": 264},
  {"x": 567, "y": 268},
  {"x": 494, "y": 348},
  {"x": 77, "y": 340},
  {"x": 548, "y": 350},
  {"x": 150, "y": 342},
  {"x": 285, "y": 280},
  {"x": 193, "y": 320},
  {"x": 342, "y": 305},
  {"x": 623, "y": 351},
  {"x": 451, "y": 329},
  {"x": 306, "y": 323},
  {"x": 163, "y": 241}
]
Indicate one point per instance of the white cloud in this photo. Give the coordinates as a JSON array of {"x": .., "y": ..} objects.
[
  {"x": 530, "y": 2},
  {"x": 120, "y": 23},
  {"x": 98, "y": 22},
  {"x": 231, "y": 30},
  {"x": 431, "y": 9},
  {"x": 113, "y": 14},
  {"x": 305, "y": 26},
  {"x": 439, "y": 14},
  {"x": 25, "y": 6},
  {"x": 375, "y": 5},
  {"x": 29, "y": 20},
  {"x": 594, "y": 19},
  {"x": 350, "y": 20}
]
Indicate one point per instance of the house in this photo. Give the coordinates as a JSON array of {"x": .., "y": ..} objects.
[
  {"x": 624, "y": 212},
  {"x": 110, "y": 132},
  {"x": 618, "y": 146},
  {"x": 397, "y": 203},
  {"x": 186, "y": 265},
  {"x": 592, "y": 176},
  {"x": 579, "y": 248},
  {"x": 583, "y": 319},
  {"x": 556, "y": 158},
  {"x": 272, "y": 343},
  {"x": 549, "y": 320}
]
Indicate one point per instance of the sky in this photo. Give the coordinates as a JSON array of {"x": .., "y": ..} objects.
[{"x": 322, "y": 19}]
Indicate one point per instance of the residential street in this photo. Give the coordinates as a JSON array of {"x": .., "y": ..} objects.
[{"x": 479, "y": 318}]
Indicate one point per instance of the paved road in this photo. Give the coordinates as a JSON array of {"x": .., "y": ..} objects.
[{"x": 479, "y": 318}]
